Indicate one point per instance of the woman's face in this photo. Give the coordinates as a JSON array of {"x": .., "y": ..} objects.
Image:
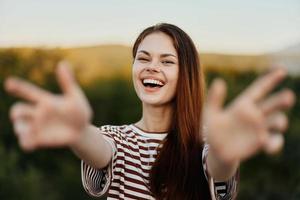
[{"x": 155, "y": 69}]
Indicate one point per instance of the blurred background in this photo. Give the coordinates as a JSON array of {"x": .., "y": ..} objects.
[{"x": 237, "y": 40}]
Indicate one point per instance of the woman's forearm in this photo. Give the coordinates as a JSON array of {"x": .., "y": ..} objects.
[{"x": 93, "y": 148}]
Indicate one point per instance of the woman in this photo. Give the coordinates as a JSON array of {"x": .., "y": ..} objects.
[{"x": 167, "y": 154}]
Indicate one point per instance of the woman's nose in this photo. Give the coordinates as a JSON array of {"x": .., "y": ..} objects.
[{"x": 153, "y": 67}]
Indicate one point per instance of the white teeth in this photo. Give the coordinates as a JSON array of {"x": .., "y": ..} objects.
[{"x": 153, "y": 81}]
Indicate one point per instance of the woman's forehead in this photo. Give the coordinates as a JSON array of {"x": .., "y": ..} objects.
[{"x": 157, "y": 43}]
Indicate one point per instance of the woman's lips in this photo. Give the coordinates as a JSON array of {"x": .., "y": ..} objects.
[{"x": 150, "y": 89}]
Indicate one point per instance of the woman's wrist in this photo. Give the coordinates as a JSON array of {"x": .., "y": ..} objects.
[{"x": 220, "y": 168}]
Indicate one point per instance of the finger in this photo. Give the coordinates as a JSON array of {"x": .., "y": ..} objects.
[
  {"x": 274, "y": 143},
  {"x": 217, "y": 94},
  {"x": 27, "y": 141},
  {"x": 21, "y": 126},
  {"x": 66, "y": 78},
  {"x": 21, "y": 110},
  {"x": 277, "y": 122},
  {"x": 278, "y": 101},
  {"x": 24, "y": 89},
  {"x": 265, "y": 84},
  {"x": 21, "y": 115},
  {"x": 23, "y": 130}
]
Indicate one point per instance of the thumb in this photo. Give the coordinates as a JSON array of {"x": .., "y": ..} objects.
[
  {"x": 217, "y": 94},
  {"x": 65, "y": 78},
  {"x": 274, "y": 144}
]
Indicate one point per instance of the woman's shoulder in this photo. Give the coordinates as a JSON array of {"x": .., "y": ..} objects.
[
  {"x": 119, "y": 133},
  {"x": 109, "y": 127},
  {"x": 118, "y": 129}
]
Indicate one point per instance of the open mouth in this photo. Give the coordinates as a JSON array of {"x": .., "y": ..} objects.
[{"x": 152, "y": 83}]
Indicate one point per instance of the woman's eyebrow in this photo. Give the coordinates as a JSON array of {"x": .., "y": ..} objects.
[
  {"x": 162, "y": 55},
  {"x": 167, "y": 54},
  {"x": 145, "y": 52}
]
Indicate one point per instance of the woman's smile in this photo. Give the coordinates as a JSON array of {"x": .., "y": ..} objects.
[{"x": 152, "y": 84}]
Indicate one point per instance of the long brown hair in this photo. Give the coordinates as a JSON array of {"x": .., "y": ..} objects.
[{"x": 178, "y": 171}]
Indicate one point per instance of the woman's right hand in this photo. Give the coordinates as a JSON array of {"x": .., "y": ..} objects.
[{"x": 46, "y": 119}]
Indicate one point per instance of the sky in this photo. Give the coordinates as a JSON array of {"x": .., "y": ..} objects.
[{"x": 231, "y": 26}]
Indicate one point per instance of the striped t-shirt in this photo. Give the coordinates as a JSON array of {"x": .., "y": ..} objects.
[{"x": 127, "y": 176}]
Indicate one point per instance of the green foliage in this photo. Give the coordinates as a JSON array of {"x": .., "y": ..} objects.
[
  {"x": 55, "y": 174},
  {"x": 114, "y": 101}
]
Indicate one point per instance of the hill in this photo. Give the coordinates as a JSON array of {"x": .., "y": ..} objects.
[
  {"x": 109, "y": 60},
  {"x": 289, "y": 58},
  {"x": 105, "y": 61},
  {"x": 100, "y": 61}
]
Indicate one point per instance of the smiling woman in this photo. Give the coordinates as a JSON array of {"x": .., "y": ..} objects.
[
  {"x": 155, "y": 65},
  {"x": 167, "y": 154}
]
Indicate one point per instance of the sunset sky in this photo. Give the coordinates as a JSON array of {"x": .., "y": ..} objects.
[{"x": 231, "y": 26}]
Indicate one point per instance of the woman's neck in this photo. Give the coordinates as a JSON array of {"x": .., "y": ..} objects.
[{"x": 156, "y": 118}]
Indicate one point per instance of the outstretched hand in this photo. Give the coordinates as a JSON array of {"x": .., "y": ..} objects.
[
  {"x": 254, "y": 121},
  {"x": 49, "y": 120}
]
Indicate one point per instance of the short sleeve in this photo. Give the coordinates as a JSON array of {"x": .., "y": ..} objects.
[
  {"x": 96, "y": 182},
  {"x": 220, "y": 190}
]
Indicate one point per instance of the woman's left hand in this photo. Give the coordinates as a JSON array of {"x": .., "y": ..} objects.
[{"x": 252, "y": 122}]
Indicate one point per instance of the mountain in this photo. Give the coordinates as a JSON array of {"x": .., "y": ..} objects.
[
  {"x": 111, "y": 59},
  {"x": 106, "y": 61},
  {"x": 288, "y": 58},
  {"x": 100, "y": 61},
  {"x": 291, "y": 50}
]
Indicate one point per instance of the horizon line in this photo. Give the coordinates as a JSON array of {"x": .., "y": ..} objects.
[{"x": 225, "y": 52}]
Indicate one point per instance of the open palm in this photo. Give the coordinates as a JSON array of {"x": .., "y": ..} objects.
[
  {"x": 47, "y": 119},
  {"x": 252, "y": 122}
]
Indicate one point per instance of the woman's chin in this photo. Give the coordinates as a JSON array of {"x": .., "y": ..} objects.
[{"x": 155, "y": 102}]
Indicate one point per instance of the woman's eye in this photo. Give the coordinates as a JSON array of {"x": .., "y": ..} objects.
[
  {"x": 143, "y": 59},
  {"x": 168, "y": 62}
]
